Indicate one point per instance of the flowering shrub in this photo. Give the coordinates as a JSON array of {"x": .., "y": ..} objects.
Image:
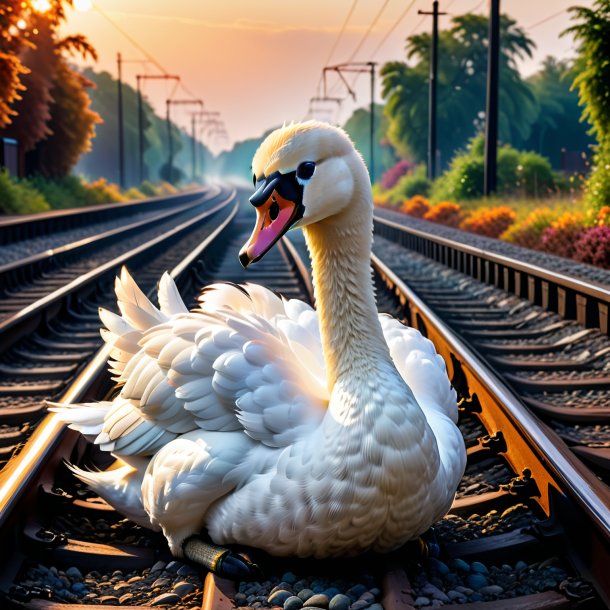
[
  {"x": 391, "y": 177},
  {"x": 528, "y": 231},
  {"x": 102, "y": 191},
  {"x": 594, "y": 247},
  {"x": 165, "y": 188},
  {"x": 379, "y": 200},
  {"x": 489, "y": 221},
  {"x": 602, "y": 217},
  {"x": 561, "y": 236},
  {"x": 445, "y": 213},
  {"x": 416, "y": 206},
  {"x": 134, "y": 193}
]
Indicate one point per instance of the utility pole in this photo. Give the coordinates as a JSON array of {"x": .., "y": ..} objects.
[
  {"x": 140, "y": 77},
  {"x": 359, "y": 67},
  {"x": 432, "y": 90},
  {"x": 491, "y": 109},
  {"x": 170, "y": 160},
  {"x": 322, "y": 99},
  {"x": 120, "y": 121}
]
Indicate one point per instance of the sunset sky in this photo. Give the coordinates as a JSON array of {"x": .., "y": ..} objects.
[{"x": 259, "y": 62}]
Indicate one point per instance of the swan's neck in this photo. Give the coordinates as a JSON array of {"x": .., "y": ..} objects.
[{"x": 352, "y": 338}]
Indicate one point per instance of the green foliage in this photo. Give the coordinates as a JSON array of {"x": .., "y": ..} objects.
[
  {"x": 528, "y": 232},
  {"x": 462, "y": 75},
  {"x": 358, "y": 128},
  {"x": 18, "y": 197},
  {"x": 558, "y": 125},
  {"x": 410, "y": 185},
  {"x": 148, "y": 189},
  {"x": 61, "y": 193},
  {"x": 524, "y": 173},
  {"x": 592, "y": 31},
  {"x": 134, "y": 193}
]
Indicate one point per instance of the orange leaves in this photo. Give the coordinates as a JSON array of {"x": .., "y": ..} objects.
[
  {"x": 416, "y": 206},
  {"x": 445, "y": 213},
  {"x": 491, "y": 222}
]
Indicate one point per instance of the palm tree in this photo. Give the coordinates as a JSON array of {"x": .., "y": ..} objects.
[{"x": 462, "y": 74}]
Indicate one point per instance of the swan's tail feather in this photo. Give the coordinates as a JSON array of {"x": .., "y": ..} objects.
[
  {"x": 170, "y": 301},
  {"x": 87, "y": 418},
  {"x": 120, "y": 487},
  {"x": 135, "y": 307}
]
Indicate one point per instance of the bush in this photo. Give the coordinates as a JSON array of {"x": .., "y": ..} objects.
[
  {"x": 602, "y": 218},
  {"x": 445, "y": 213},
  {"x": 535, "y": 175},
  {"x": 525, "y": 172},
  {"x": 102, "y": 191},
  {"x": 165, "y": 188},
  {"x": 148, "y": 189},
  {"x": 410, "y": 185},
  {"x": 62, "y": 193},
  {"x": 134, "y": 193},
  {"x": 19, "y": 197},
  {"x": 593, "y": 247},
  {"x": 391, "y": 177},
  {"x": 528, "y": 232},
  {"x": 491, "y": 222},
  {"x": 379, "y": 200},
  {"x": 561, "y": 236},
  {"x": 416, "y": 206}
]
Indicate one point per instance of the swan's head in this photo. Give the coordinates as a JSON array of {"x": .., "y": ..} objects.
[{"x": 303, "y": 174}]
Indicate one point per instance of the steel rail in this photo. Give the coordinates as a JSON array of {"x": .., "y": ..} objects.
[
  {"x": 531, "y": 444},
  {"x": 17, "y": 228},
  {"x": 12, "y": 328},
  {"x": 12, "y": 272},
  {"x": 42, "y": 448},
  {"x": 587, "y": 302}
]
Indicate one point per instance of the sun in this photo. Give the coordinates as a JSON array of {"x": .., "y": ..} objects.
[{"x": 82, "y": 5}]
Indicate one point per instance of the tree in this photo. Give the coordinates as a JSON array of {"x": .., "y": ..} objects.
[
  {"x": 358, "y": 128},
  {"x": 557, "y": 125},
  {"x": 47, "y": 108},
  {"x": 462, "y": 75},
  {"x": 592, "y": 68}
]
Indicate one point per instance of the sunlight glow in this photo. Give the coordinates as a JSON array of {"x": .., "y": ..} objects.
[
  {"x": 41, "y": 6},
  {"x": 82, "y": 5},
  {"x": 21, "y": 24}
]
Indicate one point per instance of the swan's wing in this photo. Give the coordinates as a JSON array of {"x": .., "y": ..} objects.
[
  {"x": 248, "y": 360},
  {"x": 273, "y": 370},
  {"x": 421, "y": 367}
]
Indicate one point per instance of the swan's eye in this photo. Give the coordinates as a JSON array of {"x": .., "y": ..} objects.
[
  {"x": 305, "y": 170},
  {"x": 254, "y": 179}
]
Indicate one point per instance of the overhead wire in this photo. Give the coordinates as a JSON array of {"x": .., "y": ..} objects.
[
  {"x": 393, "y": 28},
  {"x": 553, "y": 16}
]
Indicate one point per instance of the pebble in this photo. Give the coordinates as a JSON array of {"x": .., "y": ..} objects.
[
  {"x": 520, "y": 566},
  {"x": 305, "y": 594},
  {"x": 319, "y": 600},
  {"x": 173, "y": 566},
  {"x": 289, "y": 577},
  {"x": 158, "y": 567},
  {"x": 160, "y": 582},
  {"x": 360, "y": 605},
  {"x": 79, "y": 588},
  {"x": 491, "y": 590},
  {"x": 438, "y": 565},
  {"x": 459, "y": 565},
  {"x": 376, "y": 607},
  {"x": 422, "y": 601},
  {"x": 356, "y": 591},
  {"x": 182, "y": 588},
  {"x": 456, "y": 596},
  {"x": 165, "y": 599},
  {"x": 331, "y": 592},
  {"x": 240, "y": 598},
  {"x": 121, "y": 585},
  {"x": 479, "y": 568},
  {"x": 435, "y": 593},
  {"x": 283, "y": 586},
  {"x": 187, "y": 571},
  {"x": 476, "y": 581},
  {"x": 339, "y": 602},
  {"x": 295, "y": 603},
  {"x": 367, "y": 597},
  {"x": 279, "y": 597},
  {"x": 74, "y": 573},
  {"x": 109, "y": 600},
  {"x": 126, "y": 597}
]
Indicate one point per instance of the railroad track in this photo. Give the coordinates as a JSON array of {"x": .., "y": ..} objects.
[
  {"x": 32, "y": 277},
  {"x": 46, "y": 343},
  {"x": 518, "y": 523}
]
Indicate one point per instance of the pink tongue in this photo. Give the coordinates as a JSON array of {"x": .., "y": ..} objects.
[{"x": 268, "y": 235}]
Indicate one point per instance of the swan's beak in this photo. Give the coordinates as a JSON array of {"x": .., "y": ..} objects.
[{"x": 278, "y": 203}]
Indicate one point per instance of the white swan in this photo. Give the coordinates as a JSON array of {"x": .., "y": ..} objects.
[{"x": 265, "y": 422}]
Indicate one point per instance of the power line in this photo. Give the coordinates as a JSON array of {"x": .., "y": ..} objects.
[
  {"x": 138, "y": 46},
  {"x": 338, "y": 39},
  {"x": 366, "y": 35},
  {"x": 535, "y": 25},
  {"x": 391, "y": 30}
]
